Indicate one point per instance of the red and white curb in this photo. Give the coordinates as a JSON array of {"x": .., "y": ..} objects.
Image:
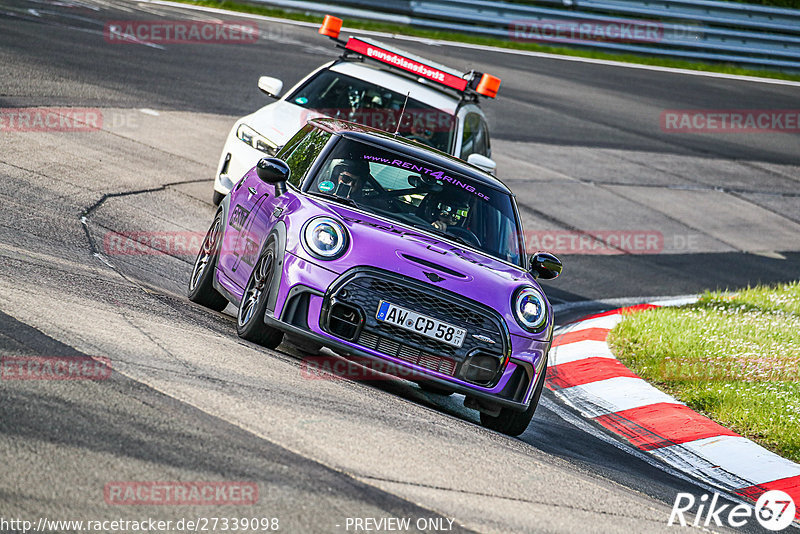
[{"x": 584, "y": 373}]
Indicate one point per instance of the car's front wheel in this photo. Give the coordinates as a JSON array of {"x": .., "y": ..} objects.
[
  {"x": 250, "y": 319},
  {"x": 513, "y": 422},
  {"x": 201, "y": 284}
]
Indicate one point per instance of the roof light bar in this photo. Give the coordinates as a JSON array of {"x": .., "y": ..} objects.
[
  {"x": 402, "y": 61},
  {"x": 469, "y": 83}
]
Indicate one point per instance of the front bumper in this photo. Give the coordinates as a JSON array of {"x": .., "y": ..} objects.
[
  {"x": 237, "y": 159},
  {"x": 304, "y": 311}
]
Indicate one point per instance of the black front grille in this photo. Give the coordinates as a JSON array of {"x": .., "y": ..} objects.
[
  {"x": 364, "y": 289},
  {"x": 420, "y": 300}
]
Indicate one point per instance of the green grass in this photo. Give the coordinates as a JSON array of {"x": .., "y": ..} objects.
[
  {"x": 734, "y": 358},
  {"x": 726, "y": 68}
]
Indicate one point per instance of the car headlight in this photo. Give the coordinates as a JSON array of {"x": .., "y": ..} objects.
[
  {"x": 255, "y": 140},
  {"x": 530, "y": 309},
  {"x": 325, "y": 238}
]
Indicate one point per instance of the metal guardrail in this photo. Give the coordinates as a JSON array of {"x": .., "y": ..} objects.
[{"x": 710, "y": 30}]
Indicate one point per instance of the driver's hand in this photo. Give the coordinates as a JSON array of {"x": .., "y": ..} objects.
[{"x": 439, "y": 225}]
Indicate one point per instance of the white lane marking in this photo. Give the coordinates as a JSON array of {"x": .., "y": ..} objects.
[
  {"x": 676, "y": 301},
  {"x": 148, "y": 111},
  {"x": 622, "y": 302},
  {"x": 607, "y": 321},
  {"x": 485, "y": 48},
  {"x": 614, "y": 395},
  {"x": 739, "y": 455},
  {"x": 580, "y": 350}
]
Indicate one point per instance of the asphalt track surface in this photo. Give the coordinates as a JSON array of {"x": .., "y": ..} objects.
[{"x": 581, "y": 146}]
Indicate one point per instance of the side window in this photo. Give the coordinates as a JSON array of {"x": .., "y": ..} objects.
[
  {"x": 304, "y": 152},
  {"x": 294, "y": 141},
  {"x": 481, "y": 140}
]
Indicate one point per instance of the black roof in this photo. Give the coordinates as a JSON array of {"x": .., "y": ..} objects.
[{"x": 359, "y": 132}]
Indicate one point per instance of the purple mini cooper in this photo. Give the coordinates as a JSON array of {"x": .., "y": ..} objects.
[{"x": 383, "y": 249}]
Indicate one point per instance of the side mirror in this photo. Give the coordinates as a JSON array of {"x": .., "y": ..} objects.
[
  {"x": 274, "y": 171},
  {"x": 271, "y": 86},
  {"x": 545, "y": 266},
  {"x": 482, "y": 162}
]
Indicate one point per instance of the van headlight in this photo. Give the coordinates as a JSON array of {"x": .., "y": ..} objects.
[
  {"x": 530, "y": 308},
  {"x": 325, "y": 238},
  {"x": 255, "y": 140}
]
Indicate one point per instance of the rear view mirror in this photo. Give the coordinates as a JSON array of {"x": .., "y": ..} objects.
[
  {"x": 425, "y": 183},
  {"x": 271, "y": 86},
  {"x": 482, "y": 162},
  {"x": 545, "y": 266}
]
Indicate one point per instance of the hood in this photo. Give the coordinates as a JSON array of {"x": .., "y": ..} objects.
[{"x": 428, "y": 258}]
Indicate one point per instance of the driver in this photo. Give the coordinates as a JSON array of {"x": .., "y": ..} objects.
[
  {"x": 450, "y": 212},
  {"x": 420, "y": 133}
]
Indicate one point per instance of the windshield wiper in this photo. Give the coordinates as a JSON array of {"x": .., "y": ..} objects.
[
  {"x": 342, "y": 200},
  {"x": 432, "y": 229}
]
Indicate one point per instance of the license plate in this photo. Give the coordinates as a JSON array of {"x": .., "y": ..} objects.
[{"x": 421, "y": 324}]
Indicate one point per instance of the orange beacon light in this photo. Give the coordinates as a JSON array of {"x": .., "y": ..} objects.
[{"x": 331, "y": 26}]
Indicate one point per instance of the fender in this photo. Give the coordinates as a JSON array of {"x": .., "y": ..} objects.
[
  {"x": 278, "y": 234},
  {"x": 224, "y": 209}
]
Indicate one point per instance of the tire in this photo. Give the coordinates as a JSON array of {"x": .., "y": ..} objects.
[
  {"x": 513, "y": 422},
  {"x": 250, "y": 317},
  {"x": 201, "y": 286},
  {"x": 430, "y": 387},
  {"x": 217, "y": 198}
]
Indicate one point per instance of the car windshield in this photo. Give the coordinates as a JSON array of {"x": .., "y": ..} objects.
[
  {"x": 420, "y": 194},
  {"x": 344, "y": 97}
]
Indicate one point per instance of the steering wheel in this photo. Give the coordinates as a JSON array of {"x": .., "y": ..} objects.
[
  {"x": 464, "y": 234},
  {"x": 380, "y": 193}
]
